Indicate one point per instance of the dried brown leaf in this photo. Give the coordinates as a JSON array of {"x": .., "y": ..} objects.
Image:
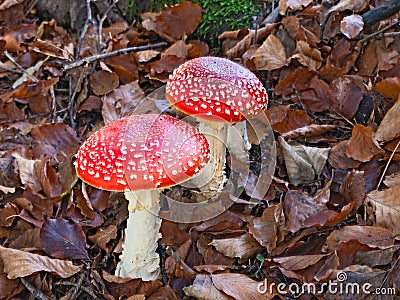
[
  {"x": 62, "y": 238},
  {"x": 303, "y": 163},
  {"x": 298, "y": 207},
  {"x": 308, "y": 131},
  {"x": 307, "y": 56},
  {"x": 389, "y": 128},
  {"x": 352, "y": 5},
  {"x": 121, "y": 101},
  {"x": 103, "y": 236},
  {"x": 239, "y": 286},
  {"x": 174, "y": 22},
  {"x": 338, "y": 158},
  {"x": 264, "y": 228},
  {"x": 386, "y": 205},
  {"x": 372, "y": 236},
  {"x": 345, "y": 94},
  {"x": 244, "y": 246},
  {"x": 103, "y": 82},
  {"x": 19, "y": 263},
  {"x": 270, "y": 55},
  {"x": 362, "y": 145},
  {"x": 352, "y": 25},
  {"x": 298, "y": 262},
  {"x": 389, "y": 87},
  {"x": 203, "y": 288}
]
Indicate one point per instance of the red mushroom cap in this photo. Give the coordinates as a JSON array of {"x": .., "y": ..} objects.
[
  {"x": 216, "y": 89},
  {"x": 142, "y": 152}
]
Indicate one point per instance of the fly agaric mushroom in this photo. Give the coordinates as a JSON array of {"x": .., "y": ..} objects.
[
  {"x": 139, "y": 155},
  {"x": 217, "y": 92}
]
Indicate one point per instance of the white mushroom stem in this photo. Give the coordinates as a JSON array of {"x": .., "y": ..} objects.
[
  {"x": 211, "y": 179},
  {"x": 237, "y": 141},
  {"x": 139, "y": 258}
]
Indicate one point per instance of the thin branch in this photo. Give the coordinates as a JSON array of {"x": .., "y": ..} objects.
[
  {"x": 93, "y": 58},
  {"x": 38, "y": 294},
  {"x": 101, "y": 22},
  {"x": 31, "y": 117},
  {"x": 19, "y": 66},
  {"x": 387, "y": 165}
]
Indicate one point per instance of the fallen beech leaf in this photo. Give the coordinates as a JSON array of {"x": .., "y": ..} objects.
[
  {"x": 372, "y": 236},
  {"x": 386, "y": 205},
  {"x": 392, "y": 180},
  {"x": 54, "y": 141},
  {"x": 380, "y": 257},
  {"x": 174, "y": 22},
  {"x": 298, "y": 262},
  {"x": 203, "y": 288},
  {"x": 270, "y": 55},
  {"x": 243, "y": 247},
  {"x": 284, "y": 119},
  {"x": 27, "y": 173},
  {"x": 61, "y": 238},
  {"x": 298, "y": 207},
  {"x": 345, "y": 95},
  {"x": 307, "y": 56},
  {"x": 300, "y": 79},
  {"x": 362, "y": 145},
  {"x": 19, "y": 263},
  {"x": 238, "y": 286},
  {"x": 308, "y": 131},
  {"x": 338, "y": 158},
  {"x": 389, "y": 87},
  {"x": 103, "y": 82},
  {"x": 121, "y": 101},
  {"x": 389, "y": 128},
  {"x": 103, "y": 236},
  {"x": 353, "y": 187},
  {"x": 352, "y": 5},
  {"x": 264, "y": 228},
  {"x": 351, "y": 26},
  {"x": 303, "y": 163}
]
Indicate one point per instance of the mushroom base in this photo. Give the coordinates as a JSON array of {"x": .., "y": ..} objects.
[{"x": 139, "y": 258}]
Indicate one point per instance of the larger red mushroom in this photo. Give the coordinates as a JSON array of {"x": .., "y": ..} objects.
[
  {"x": 218, "y": 92},
  {"x": 139, "y": 155}
]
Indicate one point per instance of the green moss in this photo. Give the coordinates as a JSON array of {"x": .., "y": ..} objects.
[{"x": 218, "y": 15}]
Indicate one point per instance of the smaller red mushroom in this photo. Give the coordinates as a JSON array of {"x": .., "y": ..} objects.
[
  {"x": 217, "y": 92},
  {"x": 139, "y": 155}
]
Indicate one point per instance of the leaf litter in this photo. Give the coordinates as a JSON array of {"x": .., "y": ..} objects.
[{"x": 333, "y": 204}]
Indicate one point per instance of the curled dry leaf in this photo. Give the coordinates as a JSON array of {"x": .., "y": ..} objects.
[
  {"x": 174, "y": 22},
  {"x": 352, "y": 5},
  {"x": 389, "y": 128},
  {"x": 308, "y": 131},
  {"x": 203, "y": 288},
  {"x": 338, "y": 158},
  {"x": 389, "y": 87},
  {"x": 372, "y": 236},
  {"x": 303, "y": 163},
  {"x": 264, "y": 228},
  {"x": 103, "y": 236},
  {"x": 19, "y": 263},
  {"x": 270, "y": 55},
  {"x": 239, "y": 286},
  {"x": 243, "y": 247},
  {"x": 362, "y": 145},
  {"x": 386, "y": 205},
  {"x": 307, "y": 56},
  {"x": 351, "y": 26},
  {"x": 298, "y": 207},
  {"x": 121, "y": 101}
]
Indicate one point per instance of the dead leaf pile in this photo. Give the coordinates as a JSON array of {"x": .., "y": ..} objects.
[{"x": 334, "y": 202}]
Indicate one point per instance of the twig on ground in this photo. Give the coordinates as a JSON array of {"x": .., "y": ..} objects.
[
  {"x": 380, "y": 33},
  {"x": 38, "y": 294},
  {"x": 90, "y": 59},
  {"x": 19, "y": 66},
  {"x": 387, "y": 165},
  {"x": 31, "y": 117},
  {"x": 77, "y": 287},
  {"x": 103, "y": 18},
  {"x": 71, "y": 100}
]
